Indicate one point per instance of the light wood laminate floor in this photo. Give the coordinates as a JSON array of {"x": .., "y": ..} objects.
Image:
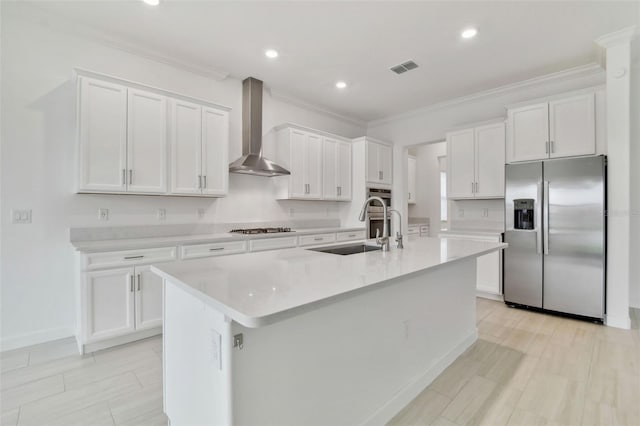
[{"x": 526, "y": 368}]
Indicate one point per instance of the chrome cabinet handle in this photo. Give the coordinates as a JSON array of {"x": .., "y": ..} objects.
[
  {"x": 352, "y": 235},
  {"x": 380, "y": 174},
  {"x": 538, "y": 220},
  {"x": 216, "y": 249},
  {"x": 552, "y": 147},
  {"x": 130, "y": 176},
  {"x": 133, "y": 257},
  {"x": 131, "y": 283},
  {"x": 139, "y": 279},
  {"x": 476, "y": 188},
  {"x": 205, "y": 180},
  {"x": 318, "y": 239},
  {"x": 472, "y": 191},
  {"x": 124, "y": 176},
  {"x": 546, "y": 147},
  {"x": 199, "y": 181}
]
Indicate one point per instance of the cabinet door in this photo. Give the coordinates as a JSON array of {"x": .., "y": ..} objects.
[
  {"x": 109, "y": 303},
  {"x": 330, "y": 172},
  {"x": 460, "y": 164},
  {"x": 489, "y": 160},
  {"x": 148, "y": 291},
  {"x": 572, "y": 126},
  {"x": 373, "y": 165},
  {"x": 297, "y": 179},
  {"x": 146, "y": 142},
  {"x": 313, "y": 166},
  {"x": 215, "y": 144},
  {"x": 186, "y": 137},
  {"x": 528, "y": 133},
  {"x": 102, "y": 136},
  {"x": 411, "y": 180},
  {"x": 385, "y": 160},
  {"x": 344, "y": 171}
]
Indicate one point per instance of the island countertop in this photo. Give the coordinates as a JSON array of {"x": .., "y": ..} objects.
[{"x": 258, "y": 289}]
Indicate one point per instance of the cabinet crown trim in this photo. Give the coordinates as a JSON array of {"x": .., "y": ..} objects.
[
  {"x": 370, "y": 139},
  {"x": 555, "y": 97},
  {"x": 80, "y": 72},
  {"x": 284, "y": 126}
]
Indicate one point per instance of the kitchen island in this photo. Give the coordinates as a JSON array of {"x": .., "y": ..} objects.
[{"x": 300, "y": 337}]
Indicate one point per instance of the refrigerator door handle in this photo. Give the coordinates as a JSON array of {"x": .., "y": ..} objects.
[
  {"x": 538, "y": 214},
  {"x": 545, "y": 222}
]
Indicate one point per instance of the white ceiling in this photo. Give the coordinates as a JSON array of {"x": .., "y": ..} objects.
[{"x": 322, "y": 42}]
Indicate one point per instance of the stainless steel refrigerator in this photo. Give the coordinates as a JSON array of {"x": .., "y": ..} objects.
[{"x": 556, "y": 230}]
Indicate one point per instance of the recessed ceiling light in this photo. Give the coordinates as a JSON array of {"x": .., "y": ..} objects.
[
  {"x": 152, "y": 2},
  {"x": 469, "y": 33},
  {"x": 271, "y": 53},
  {"x": 341, "y": 85}
]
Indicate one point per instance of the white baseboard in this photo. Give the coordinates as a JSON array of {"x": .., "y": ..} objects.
[
  {"x": 120, "y": 340},
  {"x": 20, "y": 341},
  {"x": 406, "y": 395},
  {"x": 618, "y": 322},
  {"x": 489, "y": 295}
]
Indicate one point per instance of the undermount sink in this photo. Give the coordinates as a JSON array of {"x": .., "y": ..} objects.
[{"x": 347, "y": 249}]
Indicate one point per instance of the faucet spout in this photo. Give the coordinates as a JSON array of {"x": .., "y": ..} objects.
[{"x": 384, "y": 240}]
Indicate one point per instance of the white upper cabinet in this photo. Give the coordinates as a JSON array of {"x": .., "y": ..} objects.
[
  {"x": 215, "y": 157},
  {"x": 124, "y": 129},
  {"x": 560, "y": 128},
  {"x": 411, "y": 179},
  {"x": 460, "y": 164},
  {"x": 102, "y": 135},
  {"x": 320, "y": 164},
  {"x": 146, "y": 142},
  {"x": 489, "y": 161},
  {"x": 572, "y": 126},
  {"x": 336, "y": 171},
  {"x": 475, "y": 162},
  {"x": 186, "y": 147},
  {"x": 379, "y": 163}
]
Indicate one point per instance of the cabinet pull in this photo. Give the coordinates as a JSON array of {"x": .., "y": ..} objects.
[
  {"x": 131, "y": 283},
  {"x": 472, "y": 188},
  {"x": 380, "y": 175},
  {"x": 477, "y": 186},
  {"x": 124, "y": 176},
  {"x": 139, "y": 279},
  {"x": 352, "y": 235},
  {"x": 199, "y": 181},
  {"x": 318, "y": 239},
  {"x": 133, "y": 257},
  {"x": 216, "y": 249},
  {"x": 337, "y": 190},
  {"x": 409, "y": 195},
  {"x": 204, "y": 177},
  {"x": 552, "y": 147},
  {"x": 546, "y": 147},
  {"x": 130, "y": 176}
]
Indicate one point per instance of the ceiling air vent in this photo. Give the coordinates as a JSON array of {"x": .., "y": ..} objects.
[{"x": 404, "y": 67}]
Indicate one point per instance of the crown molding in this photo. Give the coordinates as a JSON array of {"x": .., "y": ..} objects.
[
  {"x": 624, "y": 35},
  {"x": 284, "y": 97},
  {"x": 38, "y": 14},
  {"x": 568, "y": 74}
]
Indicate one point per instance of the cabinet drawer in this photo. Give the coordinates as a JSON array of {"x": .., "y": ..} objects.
[
  {"x": 272, "y": 243},
  {"x": 213, "y": 249},
  {"x": 128, "y": 257},
  {"x": 350, "y": 236},
  {"x": 309, "y": 240},
  {"x": 413, "y": 230}
]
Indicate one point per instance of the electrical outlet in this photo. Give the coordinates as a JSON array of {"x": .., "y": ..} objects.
[
  {"x": 460, "y": 212},
  {"x": 103, "y": 214},
  {"x": 485, "y": 212},
  {"x": 21, "y": 216},
  {"x": 200, "y": 213},
  {"x": 405, "y": 323},
  {"x": 162, "y": 214},
  {"x": 292, "y": 211}
]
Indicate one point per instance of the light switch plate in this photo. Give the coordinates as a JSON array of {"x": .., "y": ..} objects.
[
  {"x": 20, "y": 216},
  {"x": 200, "y": 213},
  {"x": 216, "y": 349},
  {"x": 162, "y": 214}
]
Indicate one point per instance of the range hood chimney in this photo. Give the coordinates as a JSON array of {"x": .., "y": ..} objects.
[{"x": 252, "y": 162}]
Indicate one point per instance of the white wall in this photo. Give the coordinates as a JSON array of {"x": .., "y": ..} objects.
[
  {"x": 634, "y": 290},
  {"x": 38, "y": 167},
  {"x": 428, "y": 183}
]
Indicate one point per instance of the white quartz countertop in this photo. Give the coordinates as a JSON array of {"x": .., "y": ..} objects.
[
  {"x": 471, "y": 232},
  {"x": 258, "y": 289},
  {"x": 135, "y": 243}
]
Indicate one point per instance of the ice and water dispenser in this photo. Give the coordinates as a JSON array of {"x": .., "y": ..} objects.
[{"x": 523, "y": 213}]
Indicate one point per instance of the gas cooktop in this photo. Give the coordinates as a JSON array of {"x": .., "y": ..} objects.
[{"x": 260, "y": 230}]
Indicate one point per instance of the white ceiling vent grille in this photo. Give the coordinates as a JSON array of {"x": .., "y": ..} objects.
[{"x": 404, "y": 67}]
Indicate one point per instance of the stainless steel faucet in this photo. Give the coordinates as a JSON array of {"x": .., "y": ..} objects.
[
  {"x": 399, "y": 233},
  {"x": 384, "y": 240}
]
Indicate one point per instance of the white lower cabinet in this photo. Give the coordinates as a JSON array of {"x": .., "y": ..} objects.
[
  {"x": 121, "y": 301},
  {"x": 309, "y": 240},
  {"x": 351, "y": 236}
]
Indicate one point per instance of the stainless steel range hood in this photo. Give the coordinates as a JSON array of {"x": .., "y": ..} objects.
[{"x": 252, "y": 162}]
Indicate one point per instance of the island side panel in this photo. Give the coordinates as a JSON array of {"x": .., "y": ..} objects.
[
  {"x": 359, "y": 360},
  {"x": 196, "y": 361}
]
